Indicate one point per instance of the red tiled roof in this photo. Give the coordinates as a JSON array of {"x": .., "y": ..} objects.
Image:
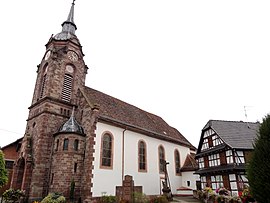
[
  {"x": 190, "y": 164},
  {"x": 116, "y": 110},
  {"x": 17, "y": 142}
]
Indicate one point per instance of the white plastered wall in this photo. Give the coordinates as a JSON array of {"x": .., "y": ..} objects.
[
  {"x": 191, "y": 177},
  {"x": 105, "y": 180}
]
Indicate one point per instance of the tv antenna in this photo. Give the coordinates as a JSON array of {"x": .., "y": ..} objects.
[{"x": 245, "y": 110}]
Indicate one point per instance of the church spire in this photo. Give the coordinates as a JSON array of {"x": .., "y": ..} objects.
[
  {"x": 70, "y": 19},
  {"x": 68, "y": 27}
]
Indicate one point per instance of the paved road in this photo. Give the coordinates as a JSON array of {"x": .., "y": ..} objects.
[{"x": 188, "y": 199}]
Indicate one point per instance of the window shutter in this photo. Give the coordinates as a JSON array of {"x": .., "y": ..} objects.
[
  {"x": 43, "y": 86},
  {"x": 67, "y": 87}
]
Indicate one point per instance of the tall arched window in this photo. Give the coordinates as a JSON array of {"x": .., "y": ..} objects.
[
  {"x": 44, "y": 79},
  {"x": 177, "y": 162},
  {"x": 76, "y": 145},
  {"x": 142, "y": 156},
  {"x": 67, "y": 85},
  {"x": 161, "y": 156},
  {"x": 65, "y": 145},
  {"x": 107, "y": 151}
]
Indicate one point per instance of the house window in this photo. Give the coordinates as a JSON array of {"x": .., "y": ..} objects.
[
  {"x": 67, "y": 87},
  {"x": 229, "y": 157},
  {"x": 214, "y": 160},
  {"x": 233, "y": 184},
  {"x": 205, "y": 144},
  {"x": 177, "y": 162},
  {"x": 65, "y": 145},
  {"x": 208, "y": 133},
  {"x": 201, "y": 162},
  {"x": 106, "y": 151},
  {"x": 216, "y": 140},
  {"x": 203, "y": 181},
  {"x": 161, "y": 155},
  {"x": 142, "y": 155},
  {"x": 242, "y": 181},
  {"x": 239, "y": 157},
  {"x": 9, "y": 164},
  {"x": 76, "y": 145},
  {"x": 216, "y": 181}
]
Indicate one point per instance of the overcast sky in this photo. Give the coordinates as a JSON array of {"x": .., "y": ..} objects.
[{"x": 186, "y": 61}]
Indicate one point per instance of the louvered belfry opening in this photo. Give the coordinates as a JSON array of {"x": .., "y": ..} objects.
[
  {"x": 67, "y": 87},
  {"x": 43, "y": 86}
]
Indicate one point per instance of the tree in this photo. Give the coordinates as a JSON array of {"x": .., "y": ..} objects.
[
  {"x": 3, "y": 170},
  {"x": 259, "y": 166}
]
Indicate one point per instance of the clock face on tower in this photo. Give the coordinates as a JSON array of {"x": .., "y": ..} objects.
[{"x": 72, "y": 56}]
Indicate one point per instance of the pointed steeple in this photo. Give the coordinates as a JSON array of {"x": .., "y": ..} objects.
[{"x": 68, "y": 27}]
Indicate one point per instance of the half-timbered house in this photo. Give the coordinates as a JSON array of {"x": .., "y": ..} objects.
[{"x": 224, "y": 149}]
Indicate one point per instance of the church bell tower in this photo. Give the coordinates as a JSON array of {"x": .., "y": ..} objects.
[{"x": 60, "y": 75}]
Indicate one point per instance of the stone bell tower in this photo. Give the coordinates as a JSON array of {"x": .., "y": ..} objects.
[{"x": 60, "y": 74}]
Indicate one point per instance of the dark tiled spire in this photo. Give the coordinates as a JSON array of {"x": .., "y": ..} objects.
[
  {"x": 72, "y": 126},
  {"x": 68, "y": 27}
]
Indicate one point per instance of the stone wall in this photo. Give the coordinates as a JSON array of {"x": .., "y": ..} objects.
[{"x": 126, "y": 191}]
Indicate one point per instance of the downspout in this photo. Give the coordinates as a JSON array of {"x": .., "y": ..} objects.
[{"x": 123, "y": 153}]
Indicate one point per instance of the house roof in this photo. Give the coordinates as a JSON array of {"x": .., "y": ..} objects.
[
  {"x": 190, "y": 163},
  {"x": 117, "y": 110},
  {"x": 236, "y": 134},
  {"x": 17, "y": 142}
]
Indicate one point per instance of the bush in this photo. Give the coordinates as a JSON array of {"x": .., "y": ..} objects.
[
  {"x": 159, "y": 199},
  {"x": 12, "y": 195},
  {"x": 3, "y": 170},
  {"x": 54, "y": 198},
  {"x": 140, "y": 198},
  {"x": 108, "y": 199},
  {"x": 258, "y": 168}
]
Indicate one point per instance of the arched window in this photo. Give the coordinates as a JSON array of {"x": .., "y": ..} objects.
[
  {"x": 57, "y": 145},
  {"x": 67, "y": 87},
  {"x": 161, "y": 156},
  {"x": 177, "y": 162},
  {"x": 106, "y": 151},
  {"x": 65, "y": 145},
  {"x": 44, "y": 79},
  {"x": 76, "y": 145},
  {"x": 142, "y": 156}
]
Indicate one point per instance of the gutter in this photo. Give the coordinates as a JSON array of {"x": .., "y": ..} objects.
[{"x": 123, "y": 153}]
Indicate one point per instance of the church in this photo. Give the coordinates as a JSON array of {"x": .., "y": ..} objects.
[{"x": 78, "y": 134}]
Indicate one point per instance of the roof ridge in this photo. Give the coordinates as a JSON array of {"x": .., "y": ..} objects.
[
  {"x": 233, "y": 121},
  {"x": 126, "y": 103}
]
